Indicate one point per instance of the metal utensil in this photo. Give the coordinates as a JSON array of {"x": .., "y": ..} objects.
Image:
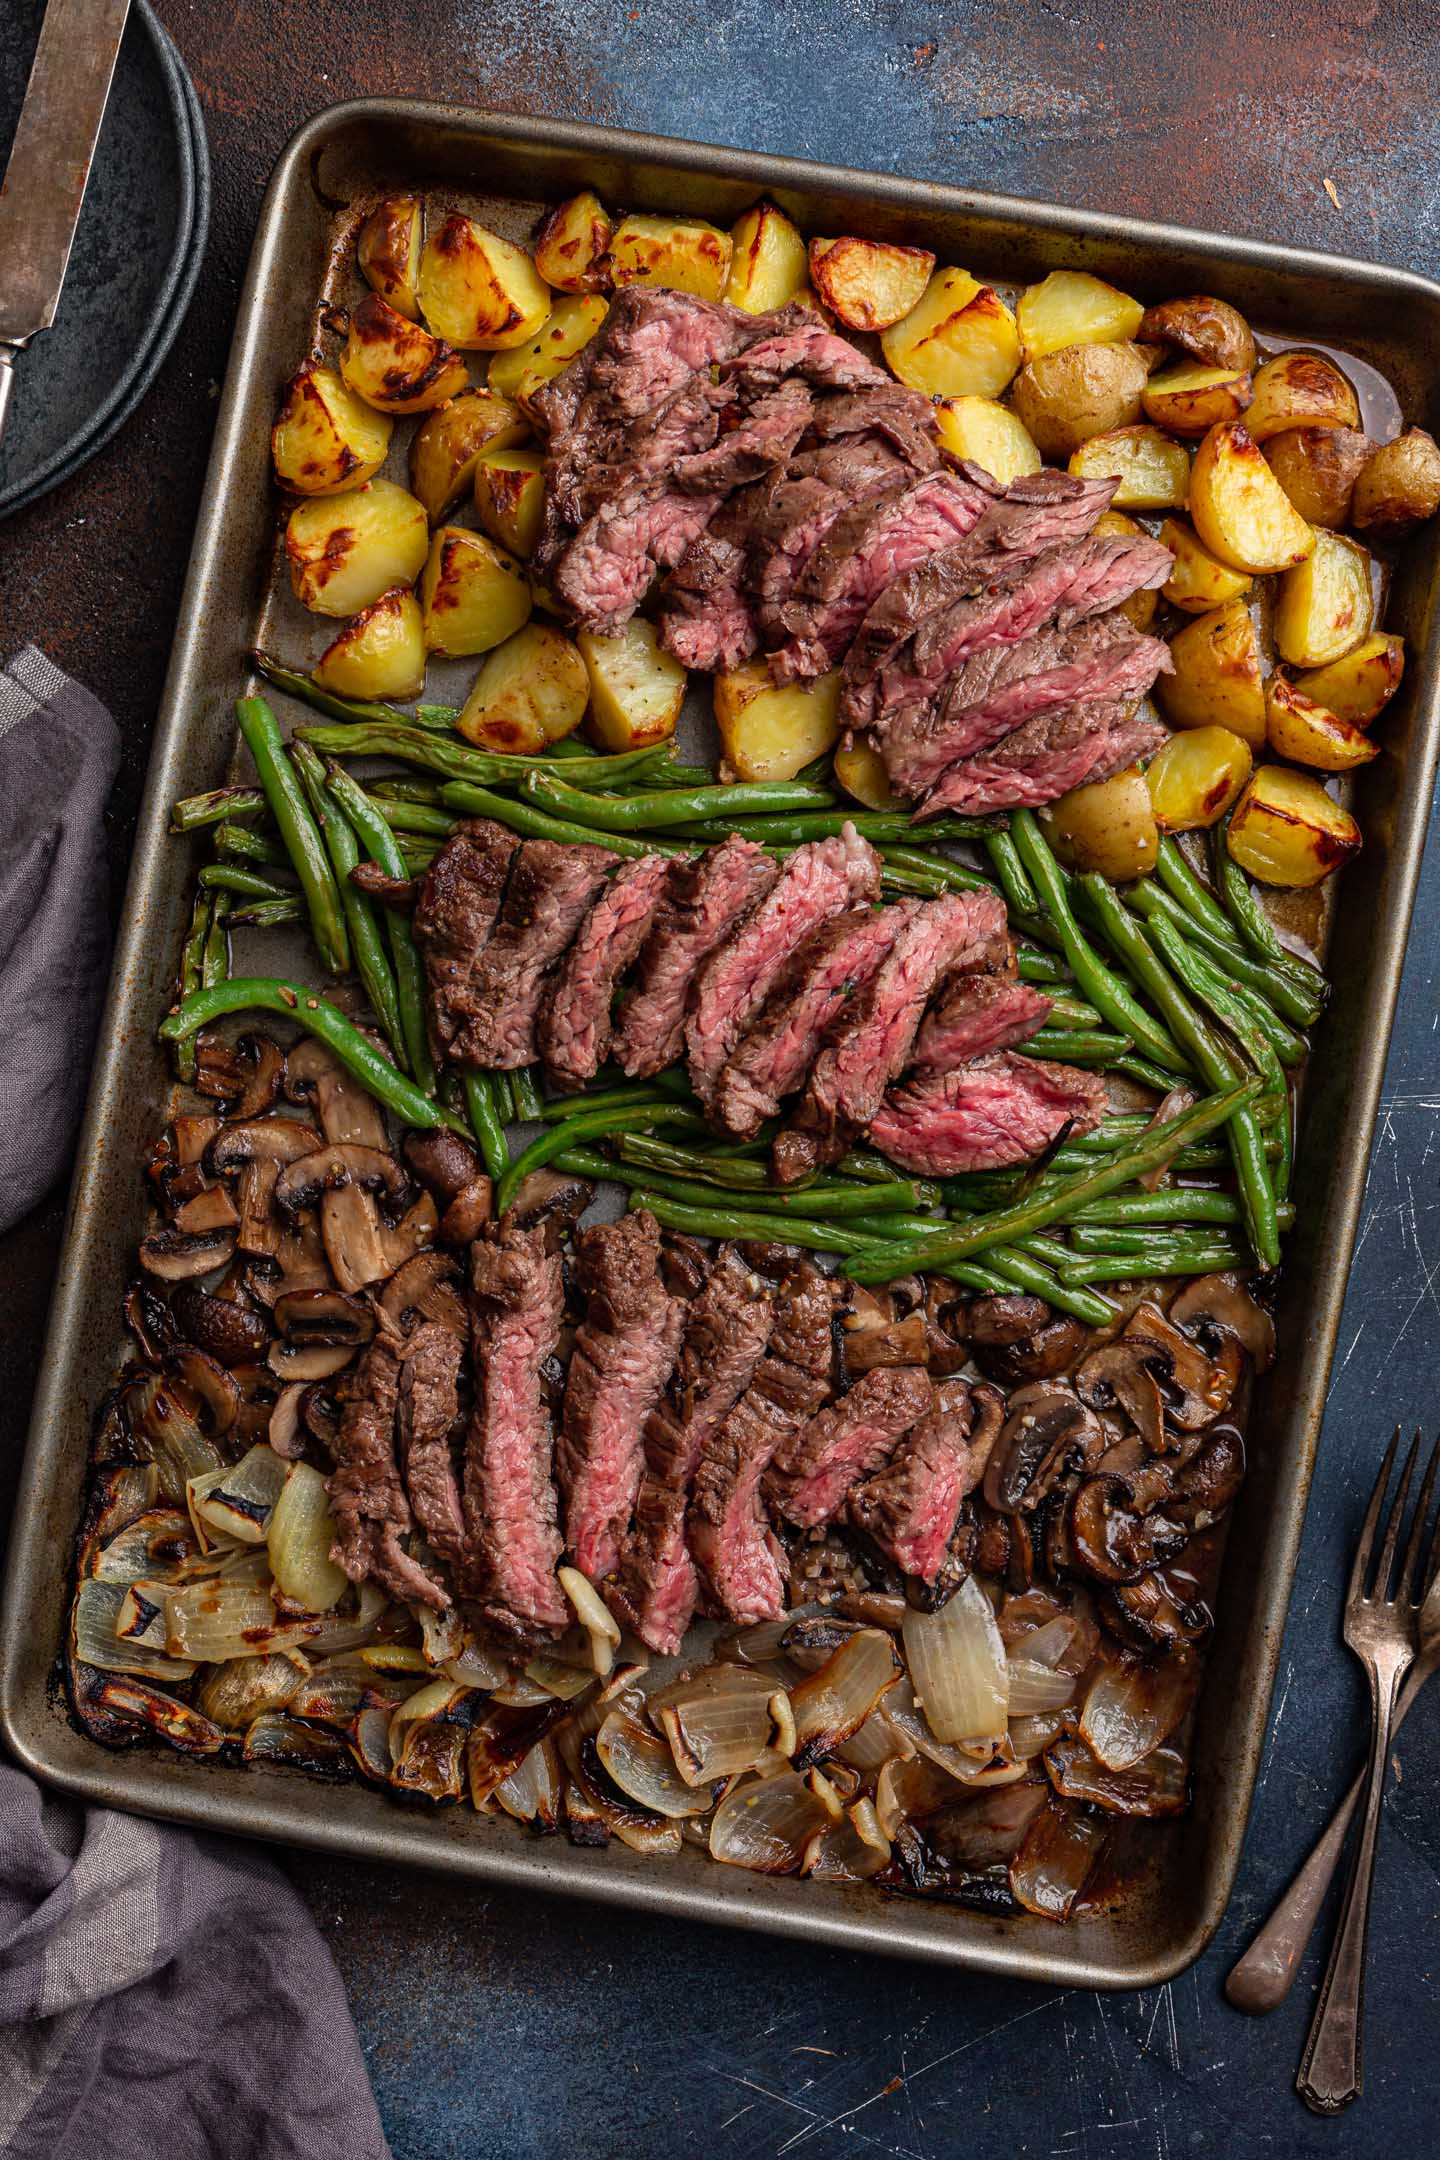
[
  {"x": 1383, "y": 1630},
  {"x": 44, "y": 184}
]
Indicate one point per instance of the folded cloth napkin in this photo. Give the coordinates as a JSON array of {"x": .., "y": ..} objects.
[{"x": 163, "y": 1996}]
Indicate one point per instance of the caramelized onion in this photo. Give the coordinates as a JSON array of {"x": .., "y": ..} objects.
[
  {"x": 1158, "y": 1785},
  {"x": 533, "y": 1792},
  {"x": 238, "y": 1500},
  {"x": 1134, "y": 1704},
  {"x": 594, "y": 1616},
  {"x": 275, "y": 1738},
  {"x": 879, "y": 1740},
  {"x": 96, "y": 1612},
  {"x": 767, "y": 1825},
  {"x": 1057, "y": 1859},
  {"x": 300, "y": 1534},
  {"x": 643, "y": 1767},
  {"x": 830, "y": 1705},
  {"x": 151, "y": 1545},
  {"x": 957, "y": 1665},
  {"x": 1034, "y": 1687},
  {"x": 908, "y": 1791},
  {"x": 236, "y": 1693},
  {"x": 717, "y": 1723},
  {"x": 218, "y": 1620}
]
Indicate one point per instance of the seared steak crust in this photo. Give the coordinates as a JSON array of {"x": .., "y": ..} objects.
[
  {"x": 550, "y": 890},
  {"x": 1000, "y": 1110},
  {"x": 703, "y": 902},
  {"x": 575, "y": 1022},
  {"x": 427, "y": 1410},
  {"x": 815, "y": 1468},
  {"x": 371, "y": 1512},
  {"x": 978, "y": 1014},
  {"x": 1047, "y": 757},
  {"x": 459, "y": 900}
]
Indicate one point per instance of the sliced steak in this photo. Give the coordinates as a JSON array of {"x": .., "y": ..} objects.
[
  {"x": 816, "y": 1467},
  {"x": 733, "y": 1546},
  {"x": 706, "y": 620},
  {"x": 426, "y": 1415},
  {"x": 760, "y": 440},
  {"x": 575, "y": 1023},
  {"x": 459, "y": 900},
  {"x": 550, "y": 891},
  {"x": 624, "y": 1350},
  {"x": 976, "y": 1015},
  {"x": 818, "y": 880},
  {"x": 610, "y": 565},
  {"x": 809, "y": 350},
  {"x": 1047, "y": 757},
  {"x": 704, "y": 900},
  {"x": 905, "y": 419},
  {"x": 1001, "y": 1110},
  {"x": 648, "y": 449},
  {"x": 367, "y": 1498},
  {"x": 911, "y": 1507},
  {"x": 789, "y": 516},
  {"x": 512, "y": 1539}
]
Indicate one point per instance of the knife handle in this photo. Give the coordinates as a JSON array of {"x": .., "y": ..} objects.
[{"x": 9, "y": 354}]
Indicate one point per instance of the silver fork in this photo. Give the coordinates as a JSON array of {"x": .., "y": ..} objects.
[{"x": 1384, "y": 1633}]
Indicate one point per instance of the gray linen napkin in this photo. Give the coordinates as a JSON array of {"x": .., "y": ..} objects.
[{"x": 163, "y": 1996}]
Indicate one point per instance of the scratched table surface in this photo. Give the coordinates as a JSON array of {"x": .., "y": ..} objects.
[{"x": 501, "y": 2024}]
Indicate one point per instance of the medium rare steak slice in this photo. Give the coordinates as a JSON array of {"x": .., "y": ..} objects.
[
  {"x": 459, "y": 900},
  {"x": 575, "y": 1024},
  {"x": 706, "y": 620},
  {"x": 816, "y": 1467},
  {"x": 426, "y": 1415},
  {"x": 734, "y": 1548},
  {"x": 976, "y": 1015},
  {"x": 910, "y": 1508},
  {"x": 703, "y": 902},
  {"x": 805, "y": 348},
  {"x": 550, "y": 891},
  {"x": 1047, "y": 757},
  {"x": 903, "y": 417},
  {"x": 512, "y": 1541},
  {"x": 759, "y": 441},
  {"x": 610, "y": 565},
  {"x": 819, "y": 879},
  {"x": 788, "y": 516},
  {"x": 646, "y": 453},
  {"x": 1001, "y": 1110},
  {"x": 367, "y": 1499},
  {"x": 624, "y": 1350}
]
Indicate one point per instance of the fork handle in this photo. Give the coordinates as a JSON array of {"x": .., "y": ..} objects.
[{"x": 1332, "y": 2071}]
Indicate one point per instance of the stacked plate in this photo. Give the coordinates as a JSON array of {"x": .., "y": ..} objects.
[{"x": 135, "y": 260}]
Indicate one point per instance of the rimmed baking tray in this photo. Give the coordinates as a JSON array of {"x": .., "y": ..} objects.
[{"x": 505, "y": 167}]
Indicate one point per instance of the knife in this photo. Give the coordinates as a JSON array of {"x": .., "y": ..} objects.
[{"x": 44, "y": 182}]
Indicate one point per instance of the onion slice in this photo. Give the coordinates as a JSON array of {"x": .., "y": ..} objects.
[
  {"x": 717, "y": 1723},
  {"x": 1134, "y": 1704},
  {"x": 1159, "y": 1785},
  {"x": 152, "y": 1545},
  {"x": 767, "y": 1825},
  {"x": 851, "y": 1850},
  {"x": 594, "y": 1615},
  {"x": 237, "y": 1501},
  {"x": 957, "y": 1663},
  {"x": 1059, "y": 1855},
  {"x": 1031, "y": 1687},
  {"x": 300, "y": 1534},
  {"x": 643, "y": 1767},
  {"x": 534, "y": 1791},
  {"x": 96, "y": 1612},
  {"x": 830, "y": 1706}
]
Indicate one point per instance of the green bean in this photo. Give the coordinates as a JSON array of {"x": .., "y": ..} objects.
[
  {"x": 676, "y": 806},
  {"x": 586, "y": 1124},
  {"x": 524, "y": 818},
  {"x": 1148, "y": 1075},
  {"x": 1034, "y": 1271},
  {"x": 215, "y": 959},
  {"x": 310, "y": 693},
  {"x": 1140, "y": 1237},
  {"x": 1179, "y": 1203},
  {"x": 632, "y": 1095},
  {"x": 1180, "y": 1259},
  {"x": 525, "y": 1089},
  {"x": 955, "y": 876},
  {"x": 268, "y": 914},
  {"x": 246, "y": 845},
  {"x": 1247, "y": 913},
  {"x": 1010, "y": 870},
  {"x": 811, "y": 1204},
  {"x": 366, "y": 943},
  {"x": 458, "y": 761},
  {"x": 726, "y": 1171},
  {"x": 870, "y": 1168},
  {"x": 1068, "y": 1012},
  {"x": 1272, "y": 983},
  {"x": 235, "y": 878},
  {"x": 1040, "y": 967},
  {"x": 298, "y": 830},
  {"x": 374, "y": 833},
  {"x": 436, "y": 716},
  {"x": 486, "y": 1122},
  {"x": 1191, "y": 893},
  {"x": 405, "y": 790},
  {"x": 716, "y": 1219},
  {"x": 413, "y": 817},
  {"x": 790, "y": 830},
  {"x": 418, "y": 855},
  {"x": 926, "y": 884},
  {"x": 216, "y": 806},
  {"x": 192, "y": 956},
  {"x": 666, "y": 773},
  {"x": 1079, "y": 1046}
]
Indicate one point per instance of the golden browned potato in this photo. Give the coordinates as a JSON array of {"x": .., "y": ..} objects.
[
  {"x": 1197, "y": 581},
  {"x": 1326, "y": 604},
  {"x": 1107, "y": 826},
  {"x": 768, "y": 261},
  {"x": 445, "y": 447},
  {"x": 388, "y": 252},
  {"x": 474, "y": 595},
  {"x": 397, "y": 365},
  {"x": 989, "y": 435},
  {"x": 1359, "y": 686},
  {"x": 380, "y": 654},
  {"x": 1318, "y": 468},
  {"x": 1065, "y": 397},
  {"x": 684, "y": 254},
  {"x": 959, "y": 340},
  {"x": 1190, "y": 399},
  {"x": 1211, "y": 331},
  {"x": 860, "y": 770},
  {"x": 1306, "y": 733},
  {"x": 343, "y": 551},
  {"x": 636, "y": 689},
  {"x": 1139, "y": 609},
  {"x": 1218, "y": 680},
  {"x": 1070, "y": 307},
  {"x": 510, "y": 497},
  {"x": 1287, "y": 831},
  {"x": 1240, "y": 511},
  {"x": 479, "y": 291},
  {"x": 1194, "y": 778},
  {"x": 532, "y": 690},
  {"x": 1153, "y": 470},
  {"x": 570, "y": 243},
  {"x": 325, "y": 437},
  {"x": 869, "y": 284},
  {"x": 571, "y": 324},
  {"x": 1399, "y": 488},
  {"x": 1300, "y": 389},
  {"x": 770, "y": 731}
]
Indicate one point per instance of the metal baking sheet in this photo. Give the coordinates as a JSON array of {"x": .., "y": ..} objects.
[{"x": 505, "y": 167}]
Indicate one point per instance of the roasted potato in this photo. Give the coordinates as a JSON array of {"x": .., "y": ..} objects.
[
  {"x": 343, "y": 551},
  {"x": 1306, "y": 733},
  {"x": 1194, "y": 778},
  {"x": 510, "y": 497},
  {"x": 769, "y": 732},
  {"x": 1197, "y": 581},
  {"x": 1240, "y": 511},
  {"x": 1106, "y": 826},
  {"x": 1399, "y": 488},
  {"x": 480, "y": 292},
  {"x": 1139, "y": 609},
  {"x": 380, "y": 654},
  {"x": 989, "y": 435},
  {"x": 1300, "y": 389},
  {"x": 1287, "y": 831},
  {"x": 1211, "y": 331},
  {"x": 1359, "y": 686},
  {"x": 684, "y": 254},
  {"x": 1070, "y": 307},
  {"x": 1153, "y": 470},
  {"x": 869, "y": 284},
  {"x": 768, "y": 261},
  {"x": 959, "y": 340},
  {"x": 1217, "y": 680},
  {"x": 1190, "y": 399},
  {"x": 532, "y": 690},
  {"x": 1065, "y": 397},
  {"x": 1326, "y": 604},
  {"x": 397, "y": 365},
  {"x": 325, "y": 438},
  {"x": 570, "y": 325},
  {"x": 445, "y": 447},
  {"x": 860, "y": 770},
  {"x": 474, "y": 595},
  {"x": 570, "y": 243},
  {"x": 1318, "y": 468},
  {"x": 388, "y": 252},
  {"x": 636, "y": 690}
]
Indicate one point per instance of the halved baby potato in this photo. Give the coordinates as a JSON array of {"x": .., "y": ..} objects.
[
  {"x": 636, "y": 688},
  {"x": 388, "y": 252},
  {"x": 1218, "y": 681},
  {"x": 1065, "y": 397},
  {"x": 479, "y": 291},
  {"x": 571, "y": 324},
  {"x": 1359, "y": 686},
  {"x": 771, "y": 731},
  {"x": 1399, "y": 487},
  {"x": 1139, "y": 608},
  {"x": 570, "y": 243},
  {"x": 1070, "y": 307},
  {"x": 1197, "y": 580},
  {"x": 1210, "y": 330},
  {"x": 1306, "y": 733},
  {"x": 684, "y": 254},
  {"x": 380, "y": 654},
  {"x": 474, "y": 595},
  {"x": 397, "y": 365},
  {"x": 532, "y": 690},
  {"x": 1300, "y": 389},
  {"x": 445, "y": 447},
  {"x": 869, "y": 284},
  {"x": 1153, "y": 470},
  {"x": 1194, "y": 778},
  {"x": 343, "y": 551},
  {"x": 1107, "y": 826},
  {"x": 1326, "y": 604},
  {"x": 1190, "y": 399},
  {"x": 510, "y": 497},
  {"x": 1240, "y": 511},
  {"x": 769, "y": 264},
  {"x": 1286, "y": 830},
  {"x": 325, "y": 438},
  {"x": 959, "y": 340},
  {"x": 989, "y": 434},
  {"x": 860, "y": 770},
  {"x": 1318, "y": 468}
]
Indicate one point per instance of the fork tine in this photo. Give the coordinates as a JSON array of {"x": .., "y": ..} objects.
[
  {"x": 1360, "y": 1570},
  {"x": 1392, "y": 1528},
  {"x": 1412, "y": 1582}
]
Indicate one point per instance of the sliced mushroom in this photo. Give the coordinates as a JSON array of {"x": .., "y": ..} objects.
[
  {"x": 224, "y": 1327},
  {"x": 209, "y": 1209},
  {"x": 295, "y": 1361},
  {"x": 1115, "y": 1373},
  {"x": 346, "y": 1113},
  {"x": 424, "y": 1288},
  {"x": 468, "y": 1213},
  {"x": 332, "y": 1168},
  {"x": 1221, "y": 1304},
  {"x": 987, "y": 1411},
  {"x": 1196, "y": 1388},
  {"x": 1173, "y": 1105},
  {"x": 1003, "y": 1320},
  {"x": 684, "y": 1262},
  {"x": 443, "y": 1161},
  {"x": 320, "y": 1415},
  {"x": 552, "y": 1198},
  {"x": 353, "y": 1238},
  {"x": 285, "y": 1432},
  {"x": 414, "y": 1233},
  {"x": 271, "y": 1139},
  {"x": 1016, "y": 1338},
  {"x": 151, "y": 1322},
  {"x": 1149, "y": 1615},
  {"x": 1111, "y": 1540},
  {"x": 192, "y": 1136},
  {"x": 1209, "y": 1482},
  {"x": 175, "y": 1255},
  {"x": 872, "y": 1335},
  {"x": 259, "y": 1392},
  {"x": 210, "y": 1383},
  {"x": 1047, "y": 1428},
  {"x": 308, "y": 1317}
]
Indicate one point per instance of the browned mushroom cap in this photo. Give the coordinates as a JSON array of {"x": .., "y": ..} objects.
[
  {"x": 332, "y": 1168},
  {"x": 151, "y": 1322},
  {"x": 308, "y": 1361},
  {"x": 993, "y": 1321},
  {"x": 1220, "y": 1304},
  {"x": 1046, "y": 1428},
  {"x": 230, "y": 1331},
  {"x": 468, "y": 1212},
  {"x": 271, "y": 1139},
  {"x": 1015, "y": 1338},
  {"x": 872, "y": 1335},
  {"x": 424, "y": 1288},
  {"x": 259, "y": 1392},
  {"x": 444, "y": 1162},
  {"x": 320, "y": 1415},
  {"x": 216, "y": 1390},
  {"x": 684, "y": 1263},
  {"x": 209, "y": 1209},
  {"x": 1196, "y": 1388},
  {"x": 1116, "y": 1374},
  {"x": 1208, "y": 1483},
  {"x": 306, "y": 1317},
  {"x": 285, "y": 1432},
  {"x": 414, "y": 1233},
  {"x": 1110, "y": 1540},
  {"x": 552, "y": 1198},
  {"x": 1149, "y": 1615},
  {"x": 987, "y": 1411},
  {"x": 175, "y": 1255},
  {"x": 247, "y": 1074}
]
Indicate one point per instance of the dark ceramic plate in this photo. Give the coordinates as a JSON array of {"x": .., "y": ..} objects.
[{"x": 133, "y": 266}]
